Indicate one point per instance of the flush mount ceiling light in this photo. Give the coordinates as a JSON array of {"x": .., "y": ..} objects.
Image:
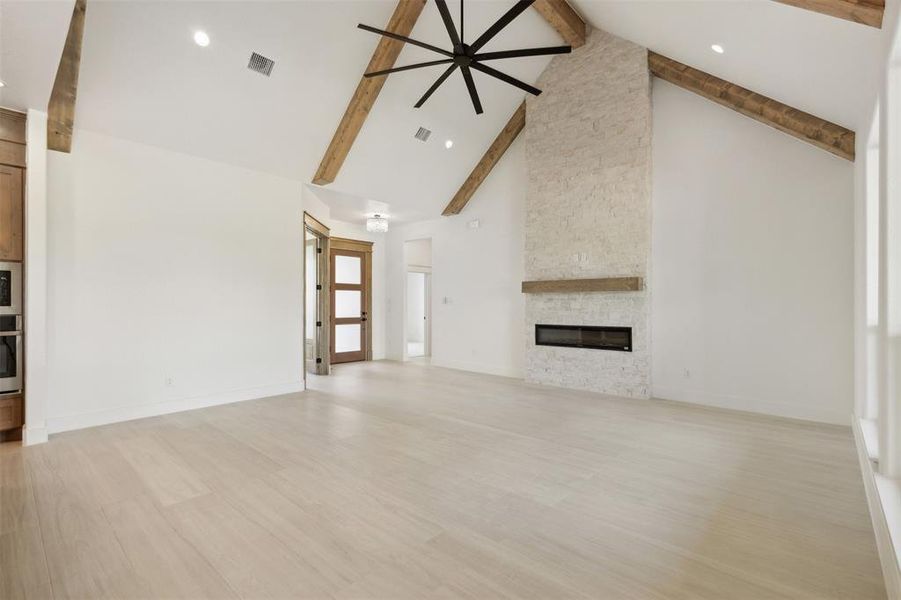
[
  {"x": 449, "y": 144},
  {"x": 467, "y": 57},
  {"x": 2, "y": 84},
  {"x": 377, "y": 224},
  {"x": 201, "y": 38},
  {"x": 717, "y": 48}
]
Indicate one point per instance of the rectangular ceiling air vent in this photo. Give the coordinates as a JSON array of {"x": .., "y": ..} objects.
[
  {"x": 261, "y": 64},
  {"x": 423, "y": 134}
]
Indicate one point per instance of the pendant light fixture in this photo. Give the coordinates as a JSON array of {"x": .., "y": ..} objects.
[{"x": 377, "y": 224}]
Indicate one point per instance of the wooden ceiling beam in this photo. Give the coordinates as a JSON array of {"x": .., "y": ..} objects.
[
  {"x": 564, "y": 19},
  {"x": 819, "y": 132},
  {"x": 402, "y": 21},
  {"x": 61, "y": 109},
  {"x": 497, "y": 149},
  {"x": 866, "y": 12}
]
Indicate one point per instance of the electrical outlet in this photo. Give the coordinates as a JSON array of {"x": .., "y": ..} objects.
[
  {"x": 687, "y": 374},
  {"x": 170, "y": 381}
]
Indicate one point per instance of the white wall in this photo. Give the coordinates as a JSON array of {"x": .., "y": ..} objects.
[
  {"x": 419, "y": 253},
  {"x": 166, "y": 267},
  {"x": 752, "y": 265},
  {"x": 35, "y": 431},
  {"x": 478, "y": 272},
  {"x": 866, "y": 274}
]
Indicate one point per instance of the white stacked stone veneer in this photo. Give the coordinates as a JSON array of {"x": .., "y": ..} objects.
[{"x": 588, "y": 151}]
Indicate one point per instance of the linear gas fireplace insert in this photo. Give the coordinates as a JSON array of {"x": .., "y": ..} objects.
[{"x": 584, "y": 336}]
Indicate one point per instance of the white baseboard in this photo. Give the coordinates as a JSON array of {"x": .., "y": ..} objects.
[
  {"x": 888, "y": 557},
  {"x": 776, "y": 409},
  {"x": 129, "y": 413},
  {"x": 34, "y": 435},
  {"x": 476, "y": 367}
]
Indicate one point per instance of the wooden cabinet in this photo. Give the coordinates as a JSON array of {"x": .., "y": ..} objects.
[
  {"x": 10, "y": 412},
  {"x": 12, "y": 232},
  {"x": 12, "y": 138},
  {"x": 12, "y": 206}
]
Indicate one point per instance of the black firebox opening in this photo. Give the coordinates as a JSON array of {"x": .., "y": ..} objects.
[{"x": 584, "y": 336}]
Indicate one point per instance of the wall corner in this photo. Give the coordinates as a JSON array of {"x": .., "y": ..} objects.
[{"x": 36, "y": 375}]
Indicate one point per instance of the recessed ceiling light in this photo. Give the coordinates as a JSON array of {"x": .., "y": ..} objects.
[
  {"x": 449, "y": 144},
  {"x": 201, "y": 38},
  {"x": 717, "y": 48}
]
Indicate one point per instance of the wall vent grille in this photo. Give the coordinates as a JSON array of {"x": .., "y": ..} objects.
[
  {"x": 261, "y": 64},
  {"x": 423, "y": 134}
]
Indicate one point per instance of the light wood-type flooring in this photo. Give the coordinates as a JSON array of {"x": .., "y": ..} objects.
[{"x": 411, "y": 481}]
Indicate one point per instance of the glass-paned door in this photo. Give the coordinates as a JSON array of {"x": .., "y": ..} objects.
[
  {"x": 316, "y": 349},
  {"x": 349, "y": 301},
  {"x": 311, "y": 305}
]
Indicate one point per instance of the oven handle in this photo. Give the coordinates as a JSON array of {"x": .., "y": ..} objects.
[
  {"x": 6, "y": 333},
  {"x": 15, "y": 382}
]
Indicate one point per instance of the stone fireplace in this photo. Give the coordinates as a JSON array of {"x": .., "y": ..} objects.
[{"x": 588, "y": 154}]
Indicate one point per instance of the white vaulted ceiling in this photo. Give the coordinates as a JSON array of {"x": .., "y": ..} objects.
[
  {"x": 813, "y": 62},
  {"x": 144, "y": 79},
  {"x": 32, "y": 35}
]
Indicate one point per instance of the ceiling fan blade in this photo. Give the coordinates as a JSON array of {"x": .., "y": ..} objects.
[
  {"x": 406, "y": 39},
  {"x": 448, "y": 22},
  {"x": 473, "y": 92},
  {"x": 435, "y": 85},
  {"x": 505, "y": 20},
  {"x": 432, "y": 63},
  {"x": 505, "y": 78},
  {"x": 524, "y": 52}
]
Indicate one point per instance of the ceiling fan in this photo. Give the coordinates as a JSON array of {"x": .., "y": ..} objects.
[{"x": 467, "y": 56}]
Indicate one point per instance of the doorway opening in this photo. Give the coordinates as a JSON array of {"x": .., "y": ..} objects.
[
  {"x": 418, "y": 305},
  {"x": 316, "y": 304},
  {"x": 418, "y": 326}
]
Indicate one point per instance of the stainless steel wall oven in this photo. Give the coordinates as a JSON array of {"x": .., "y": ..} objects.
[
  {"x": 11, "y": 351},
  {"x": 10, "y": 288}
]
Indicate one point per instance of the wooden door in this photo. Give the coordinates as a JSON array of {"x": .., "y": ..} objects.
[
  {"x": 312, "y": 349},
  {"x": 12, "y": 205},
  {"x": 349, "y": 302}
]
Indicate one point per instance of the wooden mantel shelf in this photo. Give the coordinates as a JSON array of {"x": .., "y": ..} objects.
[{"x": 561, "y": 286}]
